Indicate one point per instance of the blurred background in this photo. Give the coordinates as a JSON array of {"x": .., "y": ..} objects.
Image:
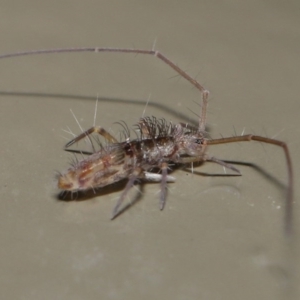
[{"x": 219, "y": 237}]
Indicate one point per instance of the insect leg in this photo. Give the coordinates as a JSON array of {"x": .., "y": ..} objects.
[
  {"x": 163, "y": 185},
  {"x": 224, "y": 164},
  {"x": 192, "y": 159},
  {"x": 97, "y": 129},
  {"x": 251, "y": 137},
  {"x": 132, "y": 178}
]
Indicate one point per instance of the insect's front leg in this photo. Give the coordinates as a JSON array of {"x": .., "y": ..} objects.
[{"x": 97, "y": 129}]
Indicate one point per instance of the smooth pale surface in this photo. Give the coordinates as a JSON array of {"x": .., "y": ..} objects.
[{"x": 218, "y": 237}]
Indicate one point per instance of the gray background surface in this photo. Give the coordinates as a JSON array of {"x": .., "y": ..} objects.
[{"x": 218, "y": 237}]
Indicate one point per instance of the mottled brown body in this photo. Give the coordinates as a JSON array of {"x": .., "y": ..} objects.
[{"x": 158, "y": 145}]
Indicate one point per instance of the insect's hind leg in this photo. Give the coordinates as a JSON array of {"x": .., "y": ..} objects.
[
  {"x": 97, "y": 129},
  {"x": 132, "y": 178}
]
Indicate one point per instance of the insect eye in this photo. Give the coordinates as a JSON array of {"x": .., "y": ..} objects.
[{"x": 198, "y": 141}]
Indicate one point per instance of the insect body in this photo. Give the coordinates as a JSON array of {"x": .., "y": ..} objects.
[{"x": 159, "y": 144}]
